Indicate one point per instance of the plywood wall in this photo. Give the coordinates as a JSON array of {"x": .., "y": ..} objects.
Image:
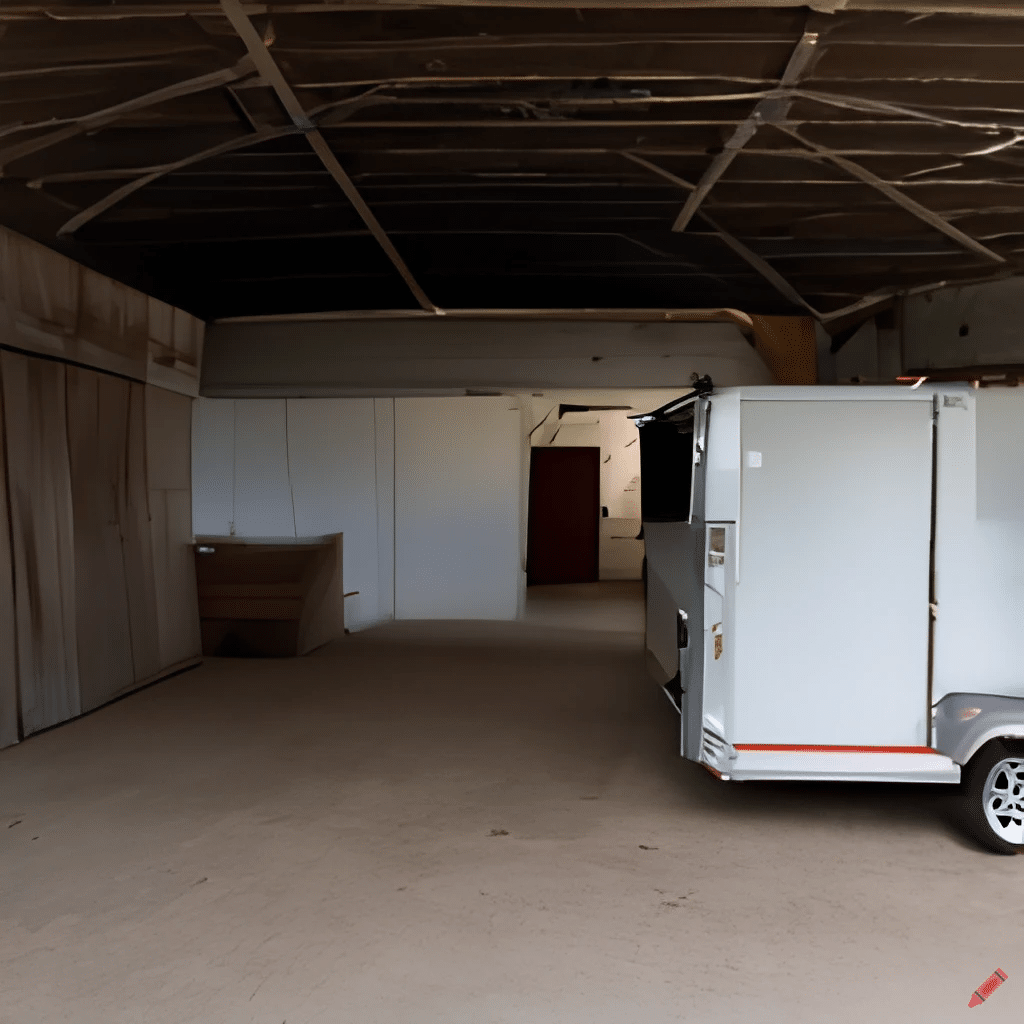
[
  {"x": 42, "y": 532},
  {"x": 97, "y": 586},
  {"x": 53, "y": 306},
  {"x": 97, "y": 411},
  {"x": 169, "y": 476},
  {"x": 8, "y": 653},
  {"x": 97, "y": 583}
]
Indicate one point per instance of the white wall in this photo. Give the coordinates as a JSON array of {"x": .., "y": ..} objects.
[
  {"x": 992, "y": 314},
  {"x": 298, "y": 468},
  {"x": 333, "y": 474},
  {"x": 424, "y": 490},
  {"x": 330, "y": 446},
  {"x": 457, "y": 523}
]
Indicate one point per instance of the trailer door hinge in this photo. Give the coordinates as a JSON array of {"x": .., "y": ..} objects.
[{"x": 934, "y": 608}]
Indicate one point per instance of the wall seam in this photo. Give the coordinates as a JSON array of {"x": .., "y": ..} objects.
[{"x": 288, "y": 461}]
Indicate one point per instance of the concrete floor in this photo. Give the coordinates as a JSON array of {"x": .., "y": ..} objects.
[{"x": 470, "y": 824}]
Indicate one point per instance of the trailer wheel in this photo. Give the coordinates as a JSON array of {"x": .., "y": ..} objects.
[{"x": 992, "y": 796}]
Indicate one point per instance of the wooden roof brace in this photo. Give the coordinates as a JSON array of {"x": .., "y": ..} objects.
[
  {"x": 765, "y": 269},
  {"x": 100, "y": 118},
  {"x": 767, "y": 110},
  {"x": 908, "y": 204},
  {"x": 271, "y": 73}
]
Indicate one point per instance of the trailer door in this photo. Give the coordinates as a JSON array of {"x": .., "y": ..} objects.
[{"x": 832, "y": 599}]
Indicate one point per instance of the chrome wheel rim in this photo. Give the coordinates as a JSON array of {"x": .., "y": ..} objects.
[{"x": 1004, "y": 800}]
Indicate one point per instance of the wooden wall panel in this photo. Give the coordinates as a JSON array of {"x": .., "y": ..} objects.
[
  {"x": 57, "y": 307},
  {"x": 174, "y": 571},
  {"x": 138, "y": 543},
  {"x": 97, "y": 410},
  {"x": 8, "y": 656},
  {"x": 115, "y": 318},
  {"x": 168, "y": 457},
  {"x": 168, "y": 440},
  {"x": 43, "y": 539},
  {"x": 42, "y": 284}
]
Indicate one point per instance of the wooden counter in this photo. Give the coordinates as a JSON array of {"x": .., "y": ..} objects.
[{"x": 272, "y": 597}]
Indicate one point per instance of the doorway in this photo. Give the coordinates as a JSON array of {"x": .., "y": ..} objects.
[{"x": 563, "y": 531}]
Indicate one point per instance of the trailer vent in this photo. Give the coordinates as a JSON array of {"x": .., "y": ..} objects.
[{"x": 713, "y": 748}]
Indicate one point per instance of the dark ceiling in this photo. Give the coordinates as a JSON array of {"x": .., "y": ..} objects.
[{"x": 219, "y": 156}]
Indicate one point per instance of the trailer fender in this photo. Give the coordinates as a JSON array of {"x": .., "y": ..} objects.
[{"x": 965, "y": 722}]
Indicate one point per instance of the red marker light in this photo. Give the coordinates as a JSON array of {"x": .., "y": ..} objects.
[{"x": 987, "y": 987}]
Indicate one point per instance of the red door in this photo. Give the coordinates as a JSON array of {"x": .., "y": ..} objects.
[{"x": 564, "y": 517}]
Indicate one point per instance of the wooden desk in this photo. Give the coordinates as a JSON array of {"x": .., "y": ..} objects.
[{"x": 269, "y": 598}]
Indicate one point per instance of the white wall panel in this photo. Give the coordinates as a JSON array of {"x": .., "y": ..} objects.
[
  {"x": 1000, "y": 448},
  {"x": 213, "y": 467},
  {"x": 332, "y": 461},
  {"x": 457, "y": 497},
  {"x": 263, "y": 498},
  {"x": 384, "y": 436},
  {"x": 976, "y": 325}
]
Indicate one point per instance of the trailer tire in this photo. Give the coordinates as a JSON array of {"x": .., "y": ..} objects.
[{"x": 992, "y": 780}]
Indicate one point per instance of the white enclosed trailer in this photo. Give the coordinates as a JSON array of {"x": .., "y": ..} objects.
[{"x": 835, "y": 586}]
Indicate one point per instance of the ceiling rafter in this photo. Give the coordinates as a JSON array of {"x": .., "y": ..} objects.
[
  {"x": 893, "y": 193},
  {"x": 182, "y": 8},
  {"x": 768, "y": 272},
  {"x": 469, "y": 106},
  {"x": 767, "y": 110},
  {"x": 270, "y": 71},
  {"x": 143, "y": 176},
  {"x": 99, "y": 118}
]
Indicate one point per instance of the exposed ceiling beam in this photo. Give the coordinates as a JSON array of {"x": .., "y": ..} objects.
[
  {"x": 272, "y": 74},
  {"x": 182, "y": 8},
  {"x": 879, "y": 299},
  {"x": 908, "y": 204},
  {"x": 735, "y": 316},
  {"x": 768, "y": 272},
  {"x": 898, "y": 110},
  {"x": 152, "y": 173},
  {"x": 149, "y": 175},
  {"x": 108, "y": 115},
  {"x": 767, "y": 110}
]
